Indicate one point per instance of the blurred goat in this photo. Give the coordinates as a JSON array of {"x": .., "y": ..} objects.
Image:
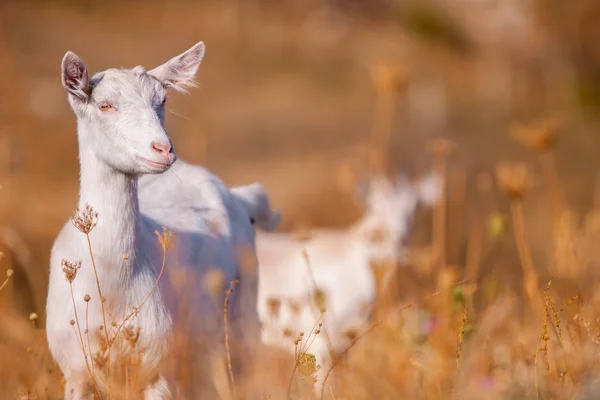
[{"x": 332, "y": 270}]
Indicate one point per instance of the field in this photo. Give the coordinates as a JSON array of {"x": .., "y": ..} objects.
[{"x": 500, "y": 298}]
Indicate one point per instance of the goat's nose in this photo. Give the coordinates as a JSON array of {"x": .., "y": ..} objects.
[{"x": 162, "y": 148}]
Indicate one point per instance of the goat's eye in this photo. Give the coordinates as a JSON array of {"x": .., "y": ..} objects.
[
  {"x": 164, "y": 100},
  {"x": 106, "y": 106}
]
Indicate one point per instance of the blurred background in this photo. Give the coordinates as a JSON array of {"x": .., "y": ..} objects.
[{"x": 290, "y": 92}]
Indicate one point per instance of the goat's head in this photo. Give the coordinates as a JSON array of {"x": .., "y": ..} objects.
[
  {"x": 391, "y": 207},
  {"x": 123, "y": 110}
]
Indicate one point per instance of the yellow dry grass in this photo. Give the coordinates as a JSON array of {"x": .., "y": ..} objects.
[{"x": 500, "y": 297}]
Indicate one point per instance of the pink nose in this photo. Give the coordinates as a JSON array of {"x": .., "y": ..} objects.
[{"x": 164, "y": 149}]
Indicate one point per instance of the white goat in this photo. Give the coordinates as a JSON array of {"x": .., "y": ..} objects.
[
  {"x": 121, "y": 134},
  {"x": 340, "y": 276}
]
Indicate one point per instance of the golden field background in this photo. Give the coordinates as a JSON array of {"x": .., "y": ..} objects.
[{"x": 288, "y": 95}]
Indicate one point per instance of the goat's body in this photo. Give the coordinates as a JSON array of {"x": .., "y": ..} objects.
[
  {"x": 334, "y": 269},
  {"x": 198, "y": 206},
  {"x": 212, "y": 230},
  {"x": 335, "y": 265},
  {"x": 209, "y": 226}
]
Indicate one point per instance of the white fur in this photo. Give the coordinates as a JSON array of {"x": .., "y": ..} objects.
[
  {"x": 115, "y": 147},
  {"x": 339, "y": 267}
]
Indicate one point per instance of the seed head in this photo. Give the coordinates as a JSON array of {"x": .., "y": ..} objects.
[
  {"x": 131, "y": 335},
  {"x": 70, "y": 269},
  {"x": 388, "y": 77},
  {"x": 9, "y": 272},
  {"x": 87, "y": 298},
  {"x": 72, "y": 322},
  {"x": 33, "y": 316},
  {"x": 539, "y": 135},
  {"x": 514, "y": 178},
  {"x": 165, "y": 238},
  {"x": 85, "y": 221},
  {"x": 320, "y": 300},
  {"x": 100, "y": 359},
  {"x": 307, "y": 364}
]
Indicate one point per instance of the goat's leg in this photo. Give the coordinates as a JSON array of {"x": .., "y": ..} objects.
[{"x": 158, "y": 390}]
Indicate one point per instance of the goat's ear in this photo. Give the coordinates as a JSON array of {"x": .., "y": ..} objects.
[
  {"x": 75, "y": 76},
  {"x": 178, "y": 73}
]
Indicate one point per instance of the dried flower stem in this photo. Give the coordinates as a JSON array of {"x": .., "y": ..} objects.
[
  {"x": 476, "y": 239},
  {"x": 439, "y": 214},
  {"x": 461, "y": 335},
  {"x": 127, "y": 269},
  {"x": 543, "y": 345},
  {"x": 312, "y": 336},
  {"x": 296, "y": 356},
  {"x": 8, "y": 275},
  {"x": 529, "y": 274},
  {"x": 101, "y": 298},
  {"x": 548, "y": 163},
  {"x": 226, "y": 326},
  {"x": 79, "y": 336},
  {"x": 137, "y": 309},
  {"x": 78, "y": 332},
  {"x": 474, "y": 250},
  {"x": 87, "y": 333},
  {"x": 315, "y": 288},
  {"x": 299, "y": 353},
  {"x": 381, "y": 133},
  {"x": 343, "y": 353}
]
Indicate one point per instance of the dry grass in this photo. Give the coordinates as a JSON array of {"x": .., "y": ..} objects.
[{"x": 290, "y": 93}]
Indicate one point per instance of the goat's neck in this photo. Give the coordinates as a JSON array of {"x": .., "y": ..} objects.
[{"x": 113, "y": 195}]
